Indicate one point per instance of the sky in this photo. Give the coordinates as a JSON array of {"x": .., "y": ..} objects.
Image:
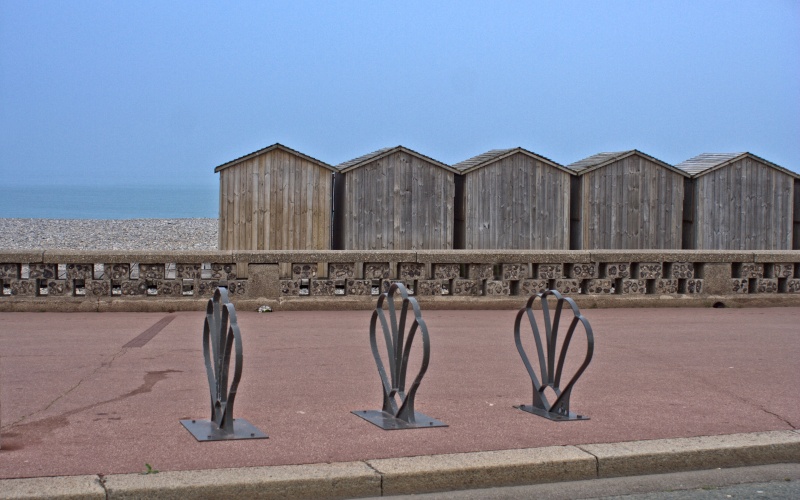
[{"x": 159, "y": 93}]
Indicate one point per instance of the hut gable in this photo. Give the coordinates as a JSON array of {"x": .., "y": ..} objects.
[
  {"x": 276, "y": 146},
  {"x": 628, "y": 200},
  {"x": 740, "y": 202},
  {"x": 601, "y": 160},
  {"x": 706, "y": 163},
  {"x": 275, "y": 198},
  {"x": 394, "y": 199},
  {"x": 512, "y": 199},
  {"x": 381, "y": 153}
]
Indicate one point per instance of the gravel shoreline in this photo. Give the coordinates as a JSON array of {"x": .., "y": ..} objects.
[{"x": 103, "y": 234}]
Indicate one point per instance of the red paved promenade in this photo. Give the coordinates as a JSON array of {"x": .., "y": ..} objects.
[{"x": 75, "y": 400}]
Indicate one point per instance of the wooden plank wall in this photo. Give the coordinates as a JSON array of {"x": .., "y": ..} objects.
[
  {"x": 398, "y": 202},
  {"x": 796, "y": 244},
  {"x": 744, "y": 206},
  {"x": 632, "y": 204},
  {"x": 517, "y": 203},
  {"x": 275, "y": 201}
]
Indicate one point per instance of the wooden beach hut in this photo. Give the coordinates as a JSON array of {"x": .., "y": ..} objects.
[
  {"x": 275, "y": 198},
  {"x": 627, "y": 201},
  {"x": 394, "y": 199},
  {"x": 512, "y": 199},
  {"x": 740, "y": 202}
]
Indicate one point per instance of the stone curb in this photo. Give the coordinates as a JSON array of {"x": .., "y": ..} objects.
[
  {"x": 366, "y": 303},
  {"x": 424, "y": 474}
]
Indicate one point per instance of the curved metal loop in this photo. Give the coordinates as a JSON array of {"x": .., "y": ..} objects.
[
  {"x": 396, "y": 400},
  {"x": 551, "y": 362},
  {"x": 221, "y": 335}
]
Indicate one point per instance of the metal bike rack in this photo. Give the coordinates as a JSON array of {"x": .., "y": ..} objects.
[
  {"x": 220, "y": 335},
  {"x": 551, "y": 363},
  {"x": 398, "y": 404}
]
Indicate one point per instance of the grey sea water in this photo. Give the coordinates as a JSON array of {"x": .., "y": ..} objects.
[{"x": 109, "y": 202}]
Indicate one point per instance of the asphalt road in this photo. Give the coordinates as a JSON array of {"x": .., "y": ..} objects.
[{"x": 781, "y": 481}]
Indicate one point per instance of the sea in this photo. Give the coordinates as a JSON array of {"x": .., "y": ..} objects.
[{"x": 109, "y": 202}]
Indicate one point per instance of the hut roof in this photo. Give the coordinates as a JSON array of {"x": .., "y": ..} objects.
[
  {"x": 270, "y": 148},
  {"x": 375, "y": 155},
  {"x": 600, "y": 160},
  {"x": 708, "y": 162},
  {"x": 494, "y": 155}
]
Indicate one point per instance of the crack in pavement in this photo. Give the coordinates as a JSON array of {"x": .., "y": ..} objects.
[
  {"x": 70, "y": 390},
  {"x": 46, "y": 425}
]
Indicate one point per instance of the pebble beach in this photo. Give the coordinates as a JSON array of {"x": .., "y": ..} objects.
[{"x": 101, "y": 234}]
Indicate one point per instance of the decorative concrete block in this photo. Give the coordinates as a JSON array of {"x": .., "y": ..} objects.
[
  {"x": 323, "y": 287},
  {"x": 584, "y": 271},
  {"x": 9, "y": 271},
  {"x": 783, "y": 270},
  {"x": 151, "y": 271},
  {"x": 599, "y": 286},
  {"x": 133, "y": 287},
  {"x": 23, "y": 288},
  {"x": 666, "y": 286},
  {"x": 634, "y": 286},
  {"x": 42, "y": 271},
  {"x": 288, "y": 287},
  {"x": 80, "y": 271},
  {"x": 694, "y": 286},
  {"x": 57, "y": 288},
  {"x": 376, "y": 270},
  {"x": 117, "y": 272},
  {"x": 793, "y": 285},
  {"x": 170, "y": 288},
  {"x": 446, "y": 271},
  {"x": 682, "y": 270},
  {"x": 751, "y": 270},
  {"x": 223, "y": 271},
  {"x": 650, "y": 270},
  {"x": 532, "y": 287},
  {"x": 429, "y": 287},
  {"x": 341, "y": 270},
  {"x": 618, "y": 270},
  {"x": 238, "y": 287},
  {"x": 740, "y": 285},
  {"x": 767, "y": 285},
  {"x": 357, "y": 287},
  {"x": 567, "y": 286},
  {"x": 304, "y": 271},
  {"x": 465, "y": 287},
  {"x": 550, "y": 271},
  {"x": 481, "y": 272},
  {"x": 498, "y": 287},
  {"x": 412, "y": 271},
  {"x": 187, "y": 271},
  {"x": 514, "y": 272},
  {"x": 98, "y": 288}
]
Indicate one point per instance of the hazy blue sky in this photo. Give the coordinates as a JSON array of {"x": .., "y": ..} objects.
[{"x": 162, "y": 92}]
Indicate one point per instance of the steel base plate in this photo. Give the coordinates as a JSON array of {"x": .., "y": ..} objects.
[
  {"x": 557, "y": 417},
  {"x": 387, "y": 421},
  {"x": 206, "y": 430}
]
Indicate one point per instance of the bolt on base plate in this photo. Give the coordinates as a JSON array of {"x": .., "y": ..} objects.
[
  {"x": 557, "y": 417},
  {"x": 206, "y": 430},
  {"x": 388, "y": 422}
]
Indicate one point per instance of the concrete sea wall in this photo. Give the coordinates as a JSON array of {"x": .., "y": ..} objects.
[{"x": 52, "y": 280}]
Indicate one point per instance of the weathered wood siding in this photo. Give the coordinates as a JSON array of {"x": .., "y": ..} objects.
[
  {"x": 398, "y": 202},
  {"x": 743, "y": 206},
  {"x": 632, "y": 203},
  {"x": 275, "y": 201},
  {"x": 796, "y": 244},
  {"x": 517, "y": 203}
]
